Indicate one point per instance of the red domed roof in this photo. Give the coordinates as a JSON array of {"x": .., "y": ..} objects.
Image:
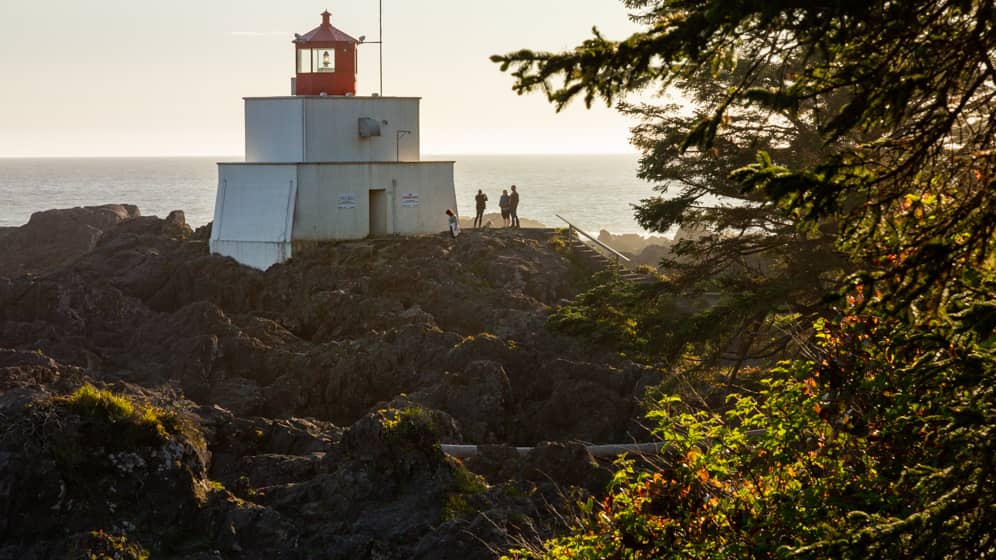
[{"x": 324, "y": 33}]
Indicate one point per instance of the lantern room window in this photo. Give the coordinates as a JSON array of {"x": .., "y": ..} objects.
[
  {"x": 315, "y": 60},
  {"x": 303, "y": 61}
]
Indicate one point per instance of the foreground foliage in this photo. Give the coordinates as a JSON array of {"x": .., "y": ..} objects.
[
  {"x": 893, "y": 461},
  {"x": 877, "y": 433}
]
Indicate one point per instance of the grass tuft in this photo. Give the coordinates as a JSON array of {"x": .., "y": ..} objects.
[{"x": 134, "y": 424}]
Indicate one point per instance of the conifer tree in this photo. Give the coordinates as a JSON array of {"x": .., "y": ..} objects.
[
  {"x": 768, "y": 264},
  {"x": 880, "y": 444}
]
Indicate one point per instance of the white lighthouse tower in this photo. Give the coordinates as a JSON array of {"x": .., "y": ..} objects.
[{"x": 325, "y": 164}]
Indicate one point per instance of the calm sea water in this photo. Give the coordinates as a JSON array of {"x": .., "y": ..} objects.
[{"x": 593, "y": 191}]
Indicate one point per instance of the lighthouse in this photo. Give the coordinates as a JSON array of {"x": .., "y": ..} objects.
[{"x": 324, "y": 164}]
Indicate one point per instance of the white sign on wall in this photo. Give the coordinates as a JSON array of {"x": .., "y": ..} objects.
[
  {"x": 409, "y": 200},
  {"x": 347, "y": 200}
]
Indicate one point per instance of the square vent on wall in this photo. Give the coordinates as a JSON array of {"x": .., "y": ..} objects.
[{"x": 369, "y": 127}]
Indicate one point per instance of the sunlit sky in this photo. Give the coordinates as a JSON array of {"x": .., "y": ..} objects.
[{"x": 142, "y": 77}]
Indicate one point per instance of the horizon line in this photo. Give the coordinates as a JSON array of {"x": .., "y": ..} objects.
[{"x": 240, "y": 156}]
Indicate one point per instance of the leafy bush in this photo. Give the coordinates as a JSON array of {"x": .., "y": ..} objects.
[{"x": 766, "y": 475}]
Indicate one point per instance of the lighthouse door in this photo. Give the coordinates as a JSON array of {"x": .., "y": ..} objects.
[{"x": 378, "y": 212}]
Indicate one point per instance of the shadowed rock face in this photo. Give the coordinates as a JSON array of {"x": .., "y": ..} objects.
[
  {"x": 268, "y": 364},
  {"x": 56, "y": 237}
]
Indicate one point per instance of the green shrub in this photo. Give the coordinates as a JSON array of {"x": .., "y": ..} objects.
[
  {"x": 466, "y": 485},
  {"x": 406, "y": 420},
  {"x": 752, "y": 482},
  {"x": 560, "y": 241},
  {"x": 129, "y": 424},
  {"x": 609, "y": 314}
]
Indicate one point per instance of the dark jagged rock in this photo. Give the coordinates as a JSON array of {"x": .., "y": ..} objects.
[
  {"x": 566, "y": 463},
  {"x": 479, "y": 398},
  {"x": 407, "y": 341},
  {"x": 54, "y": 238},
  {"x": 81, "y": 469}
]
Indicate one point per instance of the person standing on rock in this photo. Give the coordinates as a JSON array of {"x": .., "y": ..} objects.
[
  {"x": 454, "y": 223},
  {"x": 513, "y": 207},
  {"x": 482, "y": 202},
  {"x": 503, "y": 203}
]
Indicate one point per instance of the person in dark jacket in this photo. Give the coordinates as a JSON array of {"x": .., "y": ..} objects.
[
  {"x": 513, "y": 207},
  {"x": 503, "y": 203},
  {"x": 482, "y": 202}
]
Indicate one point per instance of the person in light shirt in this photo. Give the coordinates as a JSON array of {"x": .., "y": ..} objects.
[{"x": 454, "y": 223}]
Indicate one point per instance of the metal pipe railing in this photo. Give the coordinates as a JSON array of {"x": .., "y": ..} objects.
[
  {"x": 610, "y": 450},
  {"x": 572, "y": 228},
  {"x": 603, "y": 450}
]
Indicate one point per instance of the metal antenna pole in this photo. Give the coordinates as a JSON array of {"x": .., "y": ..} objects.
[
  {"x": 379, "y": 43},
  {"x": 380, "y": 48}
]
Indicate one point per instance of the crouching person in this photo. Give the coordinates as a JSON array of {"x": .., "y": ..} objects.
[{"x": 454, "y": 223}]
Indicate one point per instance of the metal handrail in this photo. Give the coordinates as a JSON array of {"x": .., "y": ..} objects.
[
  {"x": 603, "y": 450},
  {"x": 574, "y": 228}
]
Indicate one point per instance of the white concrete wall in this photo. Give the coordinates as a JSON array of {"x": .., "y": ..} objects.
[
  {"x": 433, "y": 183},
  {"x": 332, "y": 129},
  {"x": 308, "y": 176},
  {"x": 261, "y": 209},
  {"x": 275, "y": 130},
  {"x": 326, "y": 129},
  {"x": 318, "y": 216},
  {"x": 254, "y": 213}
]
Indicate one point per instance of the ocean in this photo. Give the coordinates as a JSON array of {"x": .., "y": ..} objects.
[{"x": 592, "y": 191}]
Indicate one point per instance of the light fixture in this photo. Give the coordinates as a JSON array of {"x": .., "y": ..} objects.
[
  {"x": 397, "y": 143},
  {"x": 326, "y": 59}
]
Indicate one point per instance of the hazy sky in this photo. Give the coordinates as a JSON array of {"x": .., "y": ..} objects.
[{"x": 137, "y": 77}]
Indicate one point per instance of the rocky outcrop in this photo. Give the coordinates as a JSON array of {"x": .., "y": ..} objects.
[
  {"x": 319, "y": 390},
  {"x": 73, "y": 465},
  {"x": 632, "y": 243},
  {"x": 78, "y": 479},
  {"x": 335, "y": 331},
  {"x": 651, "y": 250},
  {"x": 55, "y": 237}
]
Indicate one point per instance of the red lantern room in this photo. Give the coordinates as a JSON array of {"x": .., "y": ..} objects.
[{"x": 326, "y": 61}]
